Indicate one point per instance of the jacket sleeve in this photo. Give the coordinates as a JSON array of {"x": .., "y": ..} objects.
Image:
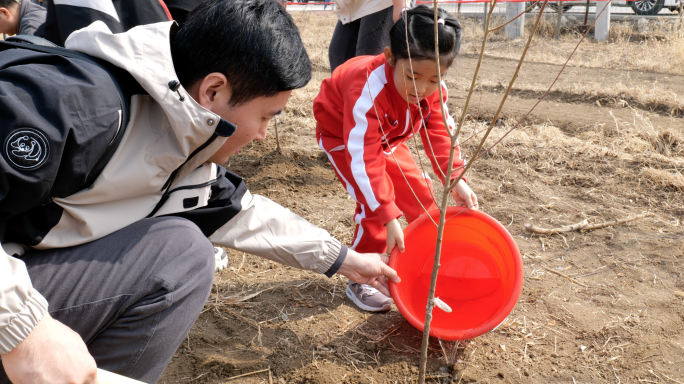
[
  {"x": 254, "y": 224},
  {"x": 363, "y": 136},
  {"x": 436, "y": 140},
  {"x": 21, "y": 306}
]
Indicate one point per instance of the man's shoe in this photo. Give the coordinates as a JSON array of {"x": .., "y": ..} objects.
[
  {"x": 221, "y": 258},
  {"x": 368, "y": 298}
]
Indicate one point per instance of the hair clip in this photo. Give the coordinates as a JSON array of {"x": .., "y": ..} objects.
[
  {"x": 404, "y": 10},
  {"x": 440, "y": 21}
]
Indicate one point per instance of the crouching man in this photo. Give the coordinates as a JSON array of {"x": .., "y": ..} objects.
[{"x": 116, "y": 260}]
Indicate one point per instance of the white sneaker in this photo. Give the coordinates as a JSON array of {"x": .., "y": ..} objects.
[
  {"x": 368, "y": 298},
  {"x": 221, "y": 258}
]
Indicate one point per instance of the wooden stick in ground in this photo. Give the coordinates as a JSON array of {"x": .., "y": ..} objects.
[
  {"x": 275, "y": 125},
  {"x": 270, "y": 376},
  {"x": 248, "y": 374},
  {"x": 565, "y": 276},
  {"x": 581, "y": 226}
]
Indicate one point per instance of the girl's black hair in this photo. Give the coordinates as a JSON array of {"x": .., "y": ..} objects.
[{"x": 421, "y": 35}]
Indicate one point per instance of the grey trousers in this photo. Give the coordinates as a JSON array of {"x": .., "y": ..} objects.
[
  {"x": 132, "y": 296},
  {"x": 368, "y": 35}
]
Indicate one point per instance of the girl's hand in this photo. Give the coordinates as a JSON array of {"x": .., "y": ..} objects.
[
  {"x": 464, "y": 196},
  {"x": 395, "y": 236}
]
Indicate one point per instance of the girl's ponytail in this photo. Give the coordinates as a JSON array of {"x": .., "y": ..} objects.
[{"x": 421, "y": 38}]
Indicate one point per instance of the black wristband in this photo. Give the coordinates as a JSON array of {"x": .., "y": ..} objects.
[{"x": 338, "y": 263}]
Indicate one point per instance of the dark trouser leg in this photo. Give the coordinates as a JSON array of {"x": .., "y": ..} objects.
[
  {"x": 133, "y": 295},
  {"x": 343, "y": 44},
  {"x": 374, "y": 32}
]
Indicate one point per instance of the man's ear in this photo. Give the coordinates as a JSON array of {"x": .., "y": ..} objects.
[
  {"x": 5, "y": 13},
  {"x": 389, "y": 56},
  {"x": 213, "y": 91}
]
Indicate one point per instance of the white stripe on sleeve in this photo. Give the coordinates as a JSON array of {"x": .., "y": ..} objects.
[{"x": 356, "y": 145}]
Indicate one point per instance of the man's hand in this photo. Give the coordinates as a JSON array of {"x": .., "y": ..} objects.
[
  {"x": 51, "y": 354},
  {"x": 369, "y": 268},
  {"x": 464, "y": 196},
  {"x": 395, "y": 236}
]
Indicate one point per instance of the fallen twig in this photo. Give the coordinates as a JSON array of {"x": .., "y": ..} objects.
[
  {"x": 565, "y": 276},
  {"x": 238, "y": 299},
  {"x": 582, "y": 226},
  {"x": 248, "y": 374}
]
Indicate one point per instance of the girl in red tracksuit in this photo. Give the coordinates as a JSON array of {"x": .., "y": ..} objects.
[{"x": 367, "y": 111}]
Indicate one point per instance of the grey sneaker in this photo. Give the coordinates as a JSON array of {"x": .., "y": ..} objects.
[
  {"x": 221, "y": 258},
  {"x": 368, "y": 298}
]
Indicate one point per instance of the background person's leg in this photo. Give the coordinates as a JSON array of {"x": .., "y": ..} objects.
[
  {"x": 373, "y": 35},
  {"x": 343, "y": 43},
  {"x": 133, "y": 295}
]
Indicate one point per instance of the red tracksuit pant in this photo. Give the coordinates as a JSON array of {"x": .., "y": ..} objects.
[{"x": 370, "y": 234}]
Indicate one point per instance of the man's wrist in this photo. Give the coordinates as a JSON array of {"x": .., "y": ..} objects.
[
  {"x": 35, "y": 309},
  {"x": 338, "y": 263}
]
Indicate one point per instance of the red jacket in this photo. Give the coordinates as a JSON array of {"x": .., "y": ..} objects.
[{"x": 371, "y": 124}]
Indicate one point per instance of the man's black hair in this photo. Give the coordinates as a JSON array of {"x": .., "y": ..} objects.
[
  {"x": 8, "y": 3},
  {"x": 421, "y": 35},
  {"x": 254, "y": 43}
]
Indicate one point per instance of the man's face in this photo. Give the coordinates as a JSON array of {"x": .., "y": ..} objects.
[
  {"x": 9, "y": 20},
  {"x": 213, "y": 93},
  {"x": 251, "y": 119}
]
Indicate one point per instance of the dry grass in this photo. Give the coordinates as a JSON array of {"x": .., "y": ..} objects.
[
  {"x": 658, "y": 48},
  {"x": 316, "y": 30},
  {"x": 653, "y": 97},
  {"x": 637, "y": 150}
]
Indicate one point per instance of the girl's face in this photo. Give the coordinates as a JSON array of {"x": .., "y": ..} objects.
[{"x": 414, "y": 86}]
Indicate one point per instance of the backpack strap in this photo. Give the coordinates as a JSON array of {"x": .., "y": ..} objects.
[
  {"x": 126, "y": 86},
  {"x": 31, "y": 39}
]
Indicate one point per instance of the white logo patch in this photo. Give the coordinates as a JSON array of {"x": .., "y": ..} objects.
[{"x": 26, "y": 149}]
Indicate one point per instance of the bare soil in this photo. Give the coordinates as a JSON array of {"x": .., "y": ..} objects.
[{"x": 579, "y": 156}]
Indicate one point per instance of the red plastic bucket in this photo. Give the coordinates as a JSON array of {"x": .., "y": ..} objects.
[{"x": 480, "y": 277}]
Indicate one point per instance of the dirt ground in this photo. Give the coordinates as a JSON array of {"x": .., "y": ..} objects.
[{"x": 604, "y": 145}]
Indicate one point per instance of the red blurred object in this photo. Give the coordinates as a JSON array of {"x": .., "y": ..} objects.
[{"x": 480, "y": 277}]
